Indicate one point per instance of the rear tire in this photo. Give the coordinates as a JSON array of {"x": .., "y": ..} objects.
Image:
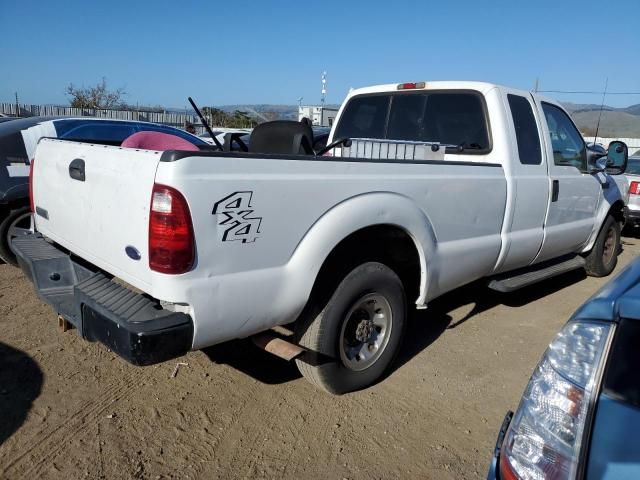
[
  {"x": 17, "y": 223},
  {"x": 357, "y": 333},
  {"x": 603, "y": 257}
]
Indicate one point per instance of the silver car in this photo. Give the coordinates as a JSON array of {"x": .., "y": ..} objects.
[{"x": 633, "y": 177}]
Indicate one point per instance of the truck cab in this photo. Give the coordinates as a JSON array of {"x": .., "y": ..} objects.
[{"x": 556, "y": 197}]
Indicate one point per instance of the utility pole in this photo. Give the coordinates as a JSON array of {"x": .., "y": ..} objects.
[
  {"x": 323, "y": 94},
  {"x": 535, "y": 87}
]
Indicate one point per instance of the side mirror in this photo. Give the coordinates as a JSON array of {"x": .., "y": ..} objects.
[
  {"x": 617, "y": 157},
  {"x": 596, "y": 158}
]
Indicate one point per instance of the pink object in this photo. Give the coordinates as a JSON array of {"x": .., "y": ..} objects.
[{"x": 158, "y": 141}]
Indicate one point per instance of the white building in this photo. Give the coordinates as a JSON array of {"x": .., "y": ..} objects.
[{"x": 319, "y": 115}]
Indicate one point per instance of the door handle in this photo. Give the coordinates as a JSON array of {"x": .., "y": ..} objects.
[
  {"x": 555, "y": 190},
  {"x": 76, "y": 169}
]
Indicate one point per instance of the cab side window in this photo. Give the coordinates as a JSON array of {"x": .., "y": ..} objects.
[
  {"x": 526, "y": 129},
  {"x": 568, "y": 146}
]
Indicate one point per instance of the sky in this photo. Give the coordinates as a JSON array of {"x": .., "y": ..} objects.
[{"x": 247, "y": 52}]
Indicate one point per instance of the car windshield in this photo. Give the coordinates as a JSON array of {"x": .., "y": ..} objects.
[
  {"x": 114, "y": 131},
  {"x": 633, "y": 167}
]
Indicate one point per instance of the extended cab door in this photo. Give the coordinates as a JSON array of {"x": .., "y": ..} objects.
[
  {"x": 527, "y": 181},
  {"x": 575, "y": 194}
]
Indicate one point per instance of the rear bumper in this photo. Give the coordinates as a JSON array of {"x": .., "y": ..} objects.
[
  {"x": 632, "y": 216},
  {"x": 131, "y": 324}
]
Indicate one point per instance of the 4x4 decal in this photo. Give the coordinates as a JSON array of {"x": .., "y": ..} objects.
[{"x": 234, "y": 218}]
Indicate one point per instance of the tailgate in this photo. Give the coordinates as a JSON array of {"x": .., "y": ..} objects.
[{"x": 103, "y": 216}]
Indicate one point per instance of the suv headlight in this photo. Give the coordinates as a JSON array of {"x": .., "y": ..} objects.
[{"x": 545, "y": 436}]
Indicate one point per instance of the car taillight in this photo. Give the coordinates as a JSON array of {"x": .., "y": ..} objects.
[
  {"x": 171, "y": 242},
  {"x": 545, "y": 437},
  {"x": 634, "y": 188},
  {"x": 31, "y": 200}
]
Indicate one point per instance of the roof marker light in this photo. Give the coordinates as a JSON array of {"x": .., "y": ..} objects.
[{"x": 411, "y": 85}]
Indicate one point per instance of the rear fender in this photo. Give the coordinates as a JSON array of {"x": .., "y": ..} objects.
[{"x": 356, "y": 213}]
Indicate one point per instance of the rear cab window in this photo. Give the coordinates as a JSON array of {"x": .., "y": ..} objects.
[{"x": 457, "y": 119}]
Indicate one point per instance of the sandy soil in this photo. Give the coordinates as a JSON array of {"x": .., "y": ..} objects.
[{"x": 72, "y": 409}]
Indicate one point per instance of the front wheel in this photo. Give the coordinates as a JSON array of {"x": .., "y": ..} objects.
[
  {"x": 17, "y": 223},
  {"x": 603, "y": 257},
  {"x": 356, "y": 335}
]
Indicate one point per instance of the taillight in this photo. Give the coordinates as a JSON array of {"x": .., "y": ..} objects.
[
  {"x": 634, "y": 188},
  {"x": 31, "y": 199},
  {"x": 545, "y": 438},
  {"x": 171, "y": 242}
]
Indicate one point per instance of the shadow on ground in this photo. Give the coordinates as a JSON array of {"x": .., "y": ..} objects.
[
  {"x": 250, "y": 360},
  {"x": 20, "y": 384},
  {"x": 425, "y": 327}
]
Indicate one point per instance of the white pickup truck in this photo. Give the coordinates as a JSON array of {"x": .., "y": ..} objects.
[{"x": 155, "y": 253}]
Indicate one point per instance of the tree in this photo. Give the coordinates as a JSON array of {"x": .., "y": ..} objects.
[
  {"x": 98, "y": 97},
  {"x": 219, "y": 118},
  {"x": 215, "y": 116},
  {"x": 242, "y": 119}
]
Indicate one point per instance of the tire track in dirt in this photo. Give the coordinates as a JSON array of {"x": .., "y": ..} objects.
[
  {"x": 280, "y": 425},
  {"x": 206, "y": 451},
  {"x": 46, "y": 448}
]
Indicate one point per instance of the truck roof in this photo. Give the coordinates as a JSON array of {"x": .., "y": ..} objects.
[{"x": 482, "y": 87}]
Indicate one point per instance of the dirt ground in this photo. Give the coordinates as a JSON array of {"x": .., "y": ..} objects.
[{"x": 72, "y": 409}]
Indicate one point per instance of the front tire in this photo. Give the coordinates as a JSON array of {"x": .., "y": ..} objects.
[
  {"x": 357, "y": 333},
  {"x": 603, "y": 257},
  {"x": 17, "y": 223}
]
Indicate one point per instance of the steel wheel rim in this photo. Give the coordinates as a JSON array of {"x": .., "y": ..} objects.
[
  {"x": 365, "y": 331},
  {"x": 609, "y": 246},
  {"x": 20, "y": 226}
]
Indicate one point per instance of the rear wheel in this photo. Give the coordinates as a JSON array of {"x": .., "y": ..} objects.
[
  {"x": 603, "y": 257},
  {"x": 354, "y": 338},
  {"x": 17, "y": 223}
]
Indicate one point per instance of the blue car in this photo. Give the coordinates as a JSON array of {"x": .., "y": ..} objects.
[{"x": 579, "y": 416}]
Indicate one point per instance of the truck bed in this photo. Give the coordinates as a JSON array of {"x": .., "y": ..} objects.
[{"x": 263, "y": 224}]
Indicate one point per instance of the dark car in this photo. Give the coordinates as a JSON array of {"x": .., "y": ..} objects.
[
  {"x": 320, "y": 137},
  {"x": 18, "y": 141},
  {"x": 579, "y": 416}
]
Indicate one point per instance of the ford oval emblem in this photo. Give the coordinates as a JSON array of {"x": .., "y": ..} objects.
[{"x": 132, "y": 252}]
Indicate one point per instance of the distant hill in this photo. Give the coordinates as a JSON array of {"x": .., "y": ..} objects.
[{"x": 615, "y": 122}]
